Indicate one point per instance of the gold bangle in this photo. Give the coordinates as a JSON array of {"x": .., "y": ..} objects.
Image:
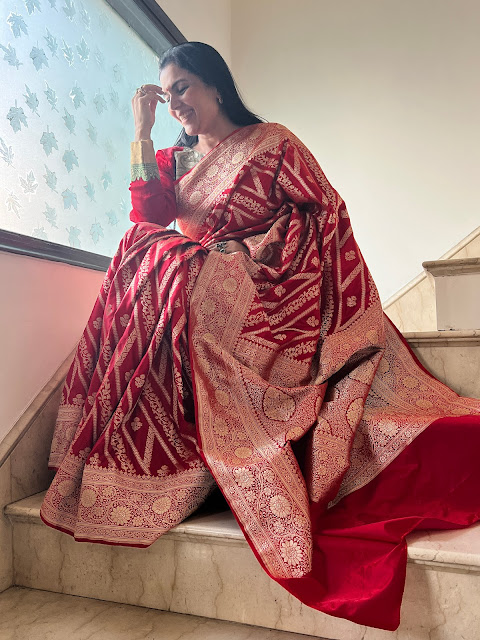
[{"x": 137, "y": 149}]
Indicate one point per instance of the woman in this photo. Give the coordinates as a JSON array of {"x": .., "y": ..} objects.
[{"x": 250, "y": 350}]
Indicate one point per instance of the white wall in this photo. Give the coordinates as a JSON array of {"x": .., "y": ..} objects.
[
  {"x": 206, "y": 21},
  {"x": 387, "y": 96},
  {"x": 45, "y": 306}
]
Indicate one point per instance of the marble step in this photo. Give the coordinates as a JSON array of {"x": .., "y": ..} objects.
[
  {"x": 27, "y": 614},
  {"x": 451, "y": 356},
  {"x": 204, "y": 567},
  {"x": 457, "y": 287}
]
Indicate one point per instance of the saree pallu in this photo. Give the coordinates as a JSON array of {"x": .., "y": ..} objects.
[{"x": 274, "y": 376}]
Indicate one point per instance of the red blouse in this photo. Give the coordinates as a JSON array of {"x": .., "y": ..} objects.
[{"x": 154, "y": 200}]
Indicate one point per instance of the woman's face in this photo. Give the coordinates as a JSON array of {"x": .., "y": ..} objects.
[{"x": 190, "y": 101}]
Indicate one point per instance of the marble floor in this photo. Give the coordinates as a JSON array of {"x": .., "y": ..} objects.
[{"x": 28, "y": 614}]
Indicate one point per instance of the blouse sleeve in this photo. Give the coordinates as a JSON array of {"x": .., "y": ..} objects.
[{"x": 152, "y": 187}]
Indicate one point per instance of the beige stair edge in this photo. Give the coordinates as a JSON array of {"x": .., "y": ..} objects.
[
  {"x": 452, "y": 267},
  {"x": 442, "y": 338},
  {"x": 455, "y": 550}
]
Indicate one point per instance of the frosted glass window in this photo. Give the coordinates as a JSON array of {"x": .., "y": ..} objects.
[{"x": 68, "y": 71}]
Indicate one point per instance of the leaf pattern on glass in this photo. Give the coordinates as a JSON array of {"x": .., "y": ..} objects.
[
  {"x": 39, "y": 58},
  {"x": 6, "y": 153},
  {"x": 112, "y": 218},
  {"x": 85, "y": 18},
  {"x": 51, "y": 97},
  {"x": 67, "y": 53},
  {"x": 100, "y": 103},
  {"x": 83, "y": 51},
  {"x": 29, "y": 184},
  {"x": 52, "y": 43},
  {"x": 32, "y": 6},
  {"x": 51, "y": 215},
  {"x": 99, "y": 58},
  {"x": 31, "y": 100},
  {"x": 92, "y": 132},
  {"x": 48, "y": 141},
  {"x": 69, "y": 199},
  {"x": 74, "y": 237},
  {"x": 70, "y": 159},
  {"x": 39, "y": 233},
  {"x": 13, "y": 204},
  {"x": 106, "y": 179},
  {"x": 122, "y": 205},
  {"x": 76, "y": 94},
  {"x": 96, "y": 232},
  {"x": 117, "y": 73},
  {"x": 16, "y": 116},
  {"x": 69, "y": 120},
  {"x": 110, "y": 149},
  {"x": 50, "y": 179},
  {"x": 17, "y": 24},
  {"x": 69, "y": 9},
  {"x": 89, "y": 189},
  {"x": 11, "y": 56},
  {"x": 71, "y": 39},
  {"x": 114, "y": 98}
]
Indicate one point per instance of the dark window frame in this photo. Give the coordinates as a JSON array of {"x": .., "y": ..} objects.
[{"x": 151, "y": 16}]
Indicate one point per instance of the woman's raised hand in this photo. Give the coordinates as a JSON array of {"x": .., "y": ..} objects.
[{"x": 144, "y": 104}]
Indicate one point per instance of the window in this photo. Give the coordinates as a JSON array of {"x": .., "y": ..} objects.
[{"x": 69, "y": 69}]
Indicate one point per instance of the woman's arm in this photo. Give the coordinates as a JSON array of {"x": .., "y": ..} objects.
[{"x": 152, "y": 188}]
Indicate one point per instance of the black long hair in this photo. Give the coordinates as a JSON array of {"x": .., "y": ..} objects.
[{"x": 205, "y": 62}]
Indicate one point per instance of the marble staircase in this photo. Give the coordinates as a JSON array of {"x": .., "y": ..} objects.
[{"x": 204, "y": 567}]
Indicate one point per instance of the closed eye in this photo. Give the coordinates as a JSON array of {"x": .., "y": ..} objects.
[{"x": 178, "y": 91}]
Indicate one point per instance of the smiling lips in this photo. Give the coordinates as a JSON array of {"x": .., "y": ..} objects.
[{"x": 185, "y": 115}]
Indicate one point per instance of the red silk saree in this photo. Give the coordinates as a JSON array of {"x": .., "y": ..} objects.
[{"x": 275, "y": 376}]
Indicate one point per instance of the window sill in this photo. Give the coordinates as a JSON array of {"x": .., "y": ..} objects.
[{"x": 36, "y": 248}]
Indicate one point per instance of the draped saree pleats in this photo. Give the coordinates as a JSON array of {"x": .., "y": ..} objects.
[{"x": 274, "y": 375}]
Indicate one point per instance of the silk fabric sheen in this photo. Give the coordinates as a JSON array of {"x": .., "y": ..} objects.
[{"x": 275, "y": 376}]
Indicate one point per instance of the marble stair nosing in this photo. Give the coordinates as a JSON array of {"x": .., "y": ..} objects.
[
  {"x": 458, "y": 549},
  {"x": 452, "y": 267}
]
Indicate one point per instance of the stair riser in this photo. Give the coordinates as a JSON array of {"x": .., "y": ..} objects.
[
  {"x": 456, "y": 364},
  {"x": 224, "y": 581},
  {"x": 458, "y": 301}
]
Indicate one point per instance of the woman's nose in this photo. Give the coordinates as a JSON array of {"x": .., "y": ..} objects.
[{"x": 174, "y": 103}]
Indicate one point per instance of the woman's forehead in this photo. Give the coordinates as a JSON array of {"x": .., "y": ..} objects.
[{"x": 172, "y": 74}]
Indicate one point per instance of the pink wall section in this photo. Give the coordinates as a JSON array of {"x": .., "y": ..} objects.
[{"x": 44, "y": 309}]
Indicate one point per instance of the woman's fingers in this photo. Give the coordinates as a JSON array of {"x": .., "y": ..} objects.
[
  {"x": 144, "y": 104},
  {"x": 151, "y": 90}
]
